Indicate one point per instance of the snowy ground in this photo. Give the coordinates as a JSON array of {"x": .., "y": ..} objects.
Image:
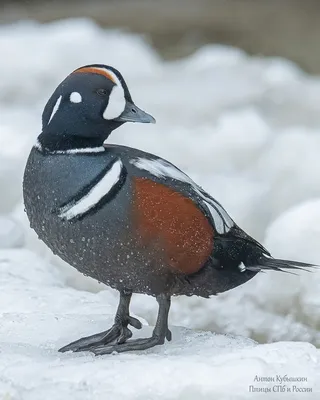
[
  {"x": 40, "y": 313},
  {"x": 247, "y": 130}
]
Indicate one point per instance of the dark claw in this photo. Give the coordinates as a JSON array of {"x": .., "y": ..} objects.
[
  {"x": 168, "y": 335},
  {"x": 134, "y": 322},
  {"x": 125, "y": 335}
]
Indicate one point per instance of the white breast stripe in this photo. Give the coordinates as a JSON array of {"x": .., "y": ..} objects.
[
  {"x": 88, "y": 201},
  {"x": 161, "y": 168},
  {"x": 55, "y": 108}
]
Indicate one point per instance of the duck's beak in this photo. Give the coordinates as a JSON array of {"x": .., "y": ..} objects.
[{"x": 132, "y": 113}]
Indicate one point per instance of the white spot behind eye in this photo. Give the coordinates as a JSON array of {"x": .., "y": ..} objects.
[
  {"x": 75, "y": 97},
  {"x": 116, "y": 104},
  {"x": 55, "y": 108}
]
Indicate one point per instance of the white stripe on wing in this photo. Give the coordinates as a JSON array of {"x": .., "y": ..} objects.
[{"x": 163, "y": 169}]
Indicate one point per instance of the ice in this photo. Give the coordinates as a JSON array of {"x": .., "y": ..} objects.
[
  {"x": 39, "y": 313},
  {"x": 247, "y": 130}
]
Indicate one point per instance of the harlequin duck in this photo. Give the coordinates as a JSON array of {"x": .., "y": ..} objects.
[{"x": 125, "y": 217}]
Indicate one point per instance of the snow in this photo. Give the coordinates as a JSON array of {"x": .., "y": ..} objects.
[
  {"x": 40, "y": 313},
  {"x": 247, "y": 130},
  {"x": 11, "y": 233}
]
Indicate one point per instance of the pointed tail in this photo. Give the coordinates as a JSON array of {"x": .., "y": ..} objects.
[{"x": 266, "y": 262}]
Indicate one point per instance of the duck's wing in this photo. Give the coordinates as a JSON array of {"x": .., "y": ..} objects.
[{"x": 163, "y": 171}]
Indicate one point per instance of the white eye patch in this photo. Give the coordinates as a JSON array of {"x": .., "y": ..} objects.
[
  {"x": 117, "y": 101},
  {"x": 75, "y": 97}
]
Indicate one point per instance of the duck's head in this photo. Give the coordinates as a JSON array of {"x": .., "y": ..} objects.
[{"x": 87, "y": 106}]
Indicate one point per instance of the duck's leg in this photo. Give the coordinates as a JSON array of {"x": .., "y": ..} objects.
[
  {"x": 118, "y": 333},
  {"x": 160, "y": 333}
]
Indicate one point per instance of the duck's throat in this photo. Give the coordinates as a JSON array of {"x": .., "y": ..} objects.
[{"x": 48, "y": 142}]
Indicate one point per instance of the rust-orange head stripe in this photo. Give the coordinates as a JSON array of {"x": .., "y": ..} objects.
[{"x": 94, "y": 70}]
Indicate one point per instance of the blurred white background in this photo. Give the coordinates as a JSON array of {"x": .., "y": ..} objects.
[{"x": 246, "y": 128}]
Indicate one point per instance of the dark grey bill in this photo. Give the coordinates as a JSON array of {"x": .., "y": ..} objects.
[{"x": 132, "y": 113}]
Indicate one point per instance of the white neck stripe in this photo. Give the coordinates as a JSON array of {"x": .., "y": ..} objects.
[{"x": 85, "y": 150}]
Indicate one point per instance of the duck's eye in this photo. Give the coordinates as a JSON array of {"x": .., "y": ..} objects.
[{"x": 102, "y": 92}]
